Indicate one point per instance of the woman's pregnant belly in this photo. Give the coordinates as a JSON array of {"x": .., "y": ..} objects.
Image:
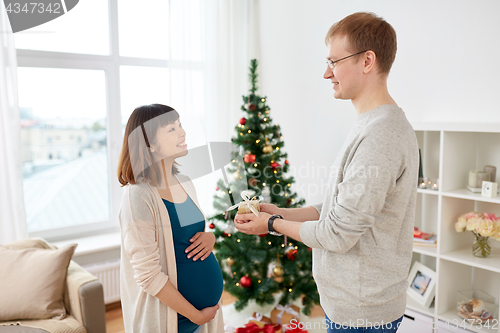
[{"x": 200, "y": 282}]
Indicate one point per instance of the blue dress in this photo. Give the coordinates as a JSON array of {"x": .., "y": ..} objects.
[{"x": 200, "y": 282}]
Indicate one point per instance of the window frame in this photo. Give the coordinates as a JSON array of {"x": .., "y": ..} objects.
[{"x": 110, "y": 64}]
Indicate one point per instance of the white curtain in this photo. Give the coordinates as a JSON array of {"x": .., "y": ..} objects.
[
  {"x": 211, "y": 44},
  {"x": 13, "y": 224}
]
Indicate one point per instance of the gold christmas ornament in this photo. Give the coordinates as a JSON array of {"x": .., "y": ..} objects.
[
  {"x": 230, "y": 261},
  {"x": 278, "y": 271},
  {"x": 267, "y": 149}
]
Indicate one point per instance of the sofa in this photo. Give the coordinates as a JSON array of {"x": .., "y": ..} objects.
[{"x": 83, "y": 301}]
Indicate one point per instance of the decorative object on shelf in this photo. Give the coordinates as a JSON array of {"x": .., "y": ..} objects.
[
  {"x": 423, "y": 182},
  {"x": 422, "y": 282},
  {"x": 476, "y": 306},
  {"x": 489, "y": 189},
  {"x": 483, "y": 226},
  {"x": 492, "y": 170},
  {"x": 435, "y": 184},
  {"x": 421, "y": 238},
  {"x": 477, "y": 189},
  {"x": 482, "y": 177},
  {"x": 476, "y": 178},
  {"x": 472, "y": 178},
  {"x": 481, "y": 248},
  {"x": 420, "y": 168}
]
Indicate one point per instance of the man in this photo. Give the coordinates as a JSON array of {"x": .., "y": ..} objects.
[{"x": 361, "y": 234}]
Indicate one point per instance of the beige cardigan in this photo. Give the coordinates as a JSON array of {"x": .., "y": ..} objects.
[{"x": 148, "y": 261}]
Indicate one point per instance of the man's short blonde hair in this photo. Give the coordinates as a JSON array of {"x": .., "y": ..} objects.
[{"x": 367, "y": 31}]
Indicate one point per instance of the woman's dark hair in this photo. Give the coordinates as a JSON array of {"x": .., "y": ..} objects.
[{"x": 142, "y": 161}]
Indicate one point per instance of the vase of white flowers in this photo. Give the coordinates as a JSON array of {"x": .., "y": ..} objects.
[{"x": 483, "y": 226}]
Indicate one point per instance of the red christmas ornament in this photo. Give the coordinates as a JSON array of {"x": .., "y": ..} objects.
[
  {"x": 243, "y": 121},
  {"x": 291, "y": 253},
  {"x": 217, "y": 188},
  {"x": 286, "y": 162},
  {"x": 249, "y": 158},
  {"x": 211, "y": 226},
  {"x": 245, "y": 281},
  {"x": 252, "y": 107},
  {"x": 263, "y": 235},
  {"x": 309, "y": 249},
  {"x": 275, "y": 165}
]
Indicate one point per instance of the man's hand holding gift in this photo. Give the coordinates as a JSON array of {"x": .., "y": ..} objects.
[
  {"x": 252, "y": 217},
  {"x": 251, "y": 224}
]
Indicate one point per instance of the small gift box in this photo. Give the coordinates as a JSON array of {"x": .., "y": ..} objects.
[
  {"x": 257, "y": 318},
  {"x": 247, "y": 205},
  {"x": 284, "y": 314}
]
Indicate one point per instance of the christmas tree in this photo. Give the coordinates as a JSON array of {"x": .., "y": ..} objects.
[{"x": 256, "y": 267}]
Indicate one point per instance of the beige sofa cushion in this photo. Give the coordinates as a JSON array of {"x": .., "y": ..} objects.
[{"x": 33, "y": 281}]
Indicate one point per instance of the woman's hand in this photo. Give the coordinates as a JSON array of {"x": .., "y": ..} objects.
[
  {"x": 205, "y": 315},
  {"x": 203, "y": 243},
  {"x": 270, "y": 208}
]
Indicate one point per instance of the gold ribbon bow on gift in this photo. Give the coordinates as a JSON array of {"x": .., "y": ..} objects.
[
  {"x": 246, "y": 200},
  {"x": 288, "y": 309}
]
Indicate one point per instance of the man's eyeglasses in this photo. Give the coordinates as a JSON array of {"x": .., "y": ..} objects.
[{"x": 331, "y": 64}]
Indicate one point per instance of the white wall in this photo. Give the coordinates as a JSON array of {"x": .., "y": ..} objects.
[{"x": 446, "y": 70}]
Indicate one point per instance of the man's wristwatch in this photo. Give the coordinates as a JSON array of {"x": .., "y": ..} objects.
[{"x": 270, "y": 228}]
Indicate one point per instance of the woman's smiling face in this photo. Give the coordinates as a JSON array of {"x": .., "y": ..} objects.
[{"x": 170, "y": 141}]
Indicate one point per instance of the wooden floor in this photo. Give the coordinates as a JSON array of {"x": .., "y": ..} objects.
[{"x": 114, "y": 319}]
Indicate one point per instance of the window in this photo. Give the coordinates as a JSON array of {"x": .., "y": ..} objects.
[
  {"x": 134, "y": 92},
  {"x": 60, "y": 188},
  {"x": 84, "y": 29},
  {"x": 138, "y": 23},
  {"x": 80, "y": 77}
]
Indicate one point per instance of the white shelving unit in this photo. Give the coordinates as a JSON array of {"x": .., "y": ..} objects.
[{"x": 449, "y": 151}]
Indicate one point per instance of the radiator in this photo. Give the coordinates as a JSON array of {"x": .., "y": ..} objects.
[{"x": 108, "y": 274}]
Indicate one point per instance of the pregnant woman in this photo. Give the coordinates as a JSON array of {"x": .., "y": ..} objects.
[{"x": 170, "y": 279}]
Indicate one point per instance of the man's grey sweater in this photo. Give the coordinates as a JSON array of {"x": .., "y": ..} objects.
[{"x": 363, "y": 241}]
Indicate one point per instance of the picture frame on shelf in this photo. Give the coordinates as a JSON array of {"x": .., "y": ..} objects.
[{"x": 422, "y": 283}]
